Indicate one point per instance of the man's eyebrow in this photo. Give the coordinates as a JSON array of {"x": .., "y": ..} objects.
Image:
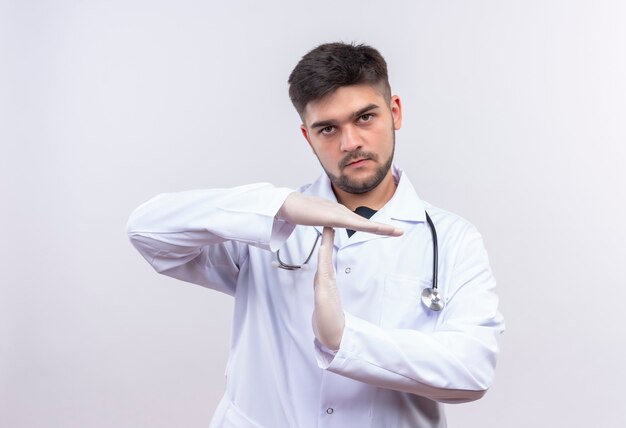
[
  {"x": 359, "y": 112},
  {"x": 364, "y": 110},
  {"x": 323, "y": 123}
]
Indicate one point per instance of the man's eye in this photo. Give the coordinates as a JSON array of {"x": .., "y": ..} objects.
[
  {"x": 366, "y": 117},
  {"x": 327, "y": 130}
]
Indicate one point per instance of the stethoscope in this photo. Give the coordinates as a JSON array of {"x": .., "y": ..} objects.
[{"x": 430, "y": 296}]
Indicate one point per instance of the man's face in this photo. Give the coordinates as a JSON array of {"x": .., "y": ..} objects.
[{"x": 352, "y": 133}]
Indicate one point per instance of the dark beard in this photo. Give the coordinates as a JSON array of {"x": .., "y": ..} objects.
[
  {"x": 349, "y": 185},
  {"x": 357, "y": 187}
]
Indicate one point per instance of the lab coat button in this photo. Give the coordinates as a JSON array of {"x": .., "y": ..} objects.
[
  {"x": 348, "y": 270},
  {"x": 330, "y": 410}
]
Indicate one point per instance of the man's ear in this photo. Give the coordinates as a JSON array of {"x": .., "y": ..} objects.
[
  {"x": 396, "y": 111},
  {"x": 305, "y": 134}
]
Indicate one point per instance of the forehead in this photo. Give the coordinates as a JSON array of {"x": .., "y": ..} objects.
[{"x": 340, "y": 104}]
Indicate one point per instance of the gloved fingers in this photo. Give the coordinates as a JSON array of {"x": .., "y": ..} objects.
[
  {"x": 328, "y": 318},
  {"x": 325, "y": 268},
  {"x": 366, "y": 225},
  {"x": 313, "y": 211}
]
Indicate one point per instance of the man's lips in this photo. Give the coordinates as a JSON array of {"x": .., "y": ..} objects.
[{"x": 357, "y": 162}]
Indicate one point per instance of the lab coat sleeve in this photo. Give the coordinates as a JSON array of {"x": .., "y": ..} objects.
[
  {"x": 201, "y": 236},
  {"x": 455, "y": 363}
]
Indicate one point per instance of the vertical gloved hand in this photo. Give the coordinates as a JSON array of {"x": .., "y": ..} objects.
[{"x": 328, "y": 316}]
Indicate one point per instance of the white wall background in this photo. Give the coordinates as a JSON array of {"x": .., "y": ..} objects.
[{"x": 515, "y": 118}]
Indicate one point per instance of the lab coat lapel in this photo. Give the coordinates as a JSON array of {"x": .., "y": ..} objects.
[{"x": 404, "y": 206}]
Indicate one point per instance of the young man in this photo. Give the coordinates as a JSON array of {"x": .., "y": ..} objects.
[{"x": 347, "y": 332}]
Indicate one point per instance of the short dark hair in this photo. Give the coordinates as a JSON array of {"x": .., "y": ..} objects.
[{"x": 330, "y": 66}]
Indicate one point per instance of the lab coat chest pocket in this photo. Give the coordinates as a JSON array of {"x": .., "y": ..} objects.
[{"x": 402, "y": 305}]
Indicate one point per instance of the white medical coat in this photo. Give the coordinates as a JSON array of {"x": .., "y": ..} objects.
[{"x": 397, "y": 359}]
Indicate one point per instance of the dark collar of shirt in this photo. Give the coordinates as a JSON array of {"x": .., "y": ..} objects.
[{"x": 363, "y": 212}]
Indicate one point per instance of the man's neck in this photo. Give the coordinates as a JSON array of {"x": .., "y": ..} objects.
[{"x": 375, "y": 198}]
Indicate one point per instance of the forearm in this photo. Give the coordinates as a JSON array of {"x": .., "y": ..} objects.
[
  {"x": 193, "y": 219},
  {"x": 448, "y": 366},
  {"x": 453, "y": 360},
  {"x": 198, "y": 236}
]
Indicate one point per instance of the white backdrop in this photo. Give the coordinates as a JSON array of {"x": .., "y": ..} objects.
[{"x": 514, "y": 117}]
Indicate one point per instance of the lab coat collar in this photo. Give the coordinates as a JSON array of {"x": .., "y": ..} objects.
[{"x": 404, "y": 206}]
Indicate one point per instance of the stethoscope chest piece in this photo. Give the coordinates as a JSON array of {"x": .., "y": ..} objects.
[{"x": 431, "y": 299}]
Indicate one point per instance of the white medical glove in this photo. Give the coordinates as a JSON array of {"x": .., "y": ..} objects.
[
  {"x": 328, "y": 317},
  {"x": 313, "y": 211}
]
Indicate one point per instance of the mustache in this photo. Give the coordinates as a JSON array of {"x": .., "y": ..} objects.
[{"x": 359, "y": 154}]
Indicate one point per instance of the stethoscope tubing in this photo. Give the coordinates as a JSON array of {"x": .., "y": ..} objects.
[{"x": 433, "y": 233}]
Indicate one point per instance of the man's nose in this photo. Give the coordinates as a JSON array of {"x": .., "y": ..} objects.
[{"x": 350, "y": 140}]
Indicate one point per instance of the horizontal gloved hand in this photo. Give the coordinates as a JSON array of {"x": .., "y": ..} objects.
[
  {"x": 328, "y": 316},
  {"x": 313, "y": 211}
]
